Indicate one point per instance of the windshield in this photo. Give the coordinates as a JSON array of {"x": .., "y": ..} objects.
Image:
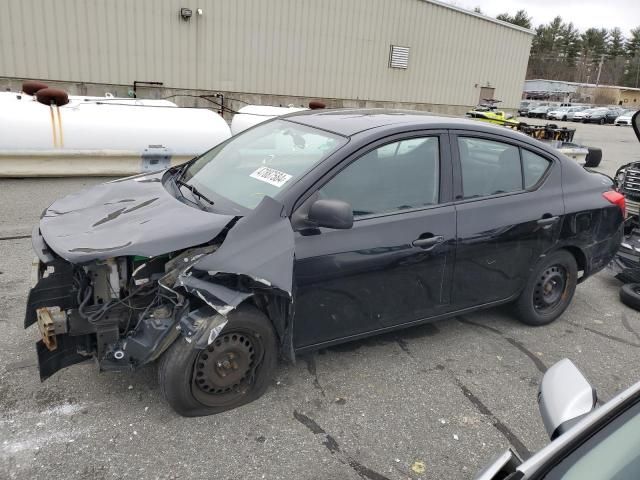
[{"x": 262, "y": 161}]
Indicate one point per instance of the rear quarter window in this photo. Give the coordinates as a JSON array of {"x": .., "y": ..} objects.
[{"x": 533, "y": 167}]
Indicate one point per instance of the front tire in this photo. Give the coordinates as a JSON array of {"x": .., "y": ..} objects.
[
  {"x": 549, "y": 289},
  {"x": 234, "y": 370}
]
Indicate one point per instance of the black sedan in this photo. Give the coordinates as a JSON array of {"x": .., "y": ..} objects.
[
  {"x": 602, "y": 115},
  {"x": 306, "y": 231}
]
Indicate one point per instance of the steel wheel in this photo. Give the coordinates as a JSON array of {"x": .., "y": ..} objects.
[
  {"x": 225, "y": 371},
  {"x": 550, "y": 288}
]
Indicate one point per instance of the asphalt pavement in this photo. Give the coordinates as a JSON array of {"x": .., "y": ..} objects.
[{"x": 432, "y": 402}]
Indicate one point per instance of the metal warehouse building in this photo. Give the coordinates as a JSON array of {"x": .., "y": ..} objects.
[{"x": 367, "y": 53}]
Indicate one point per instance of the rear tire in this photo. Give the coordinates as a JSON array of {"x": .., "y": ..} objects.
[
  {"x": 549, "y": 289},
  {"x": 594, "y": 157},
  {"x": 234, "y": 370},
  {"x": 602, "y": 121},
  {"x": 630, "y": 295}
]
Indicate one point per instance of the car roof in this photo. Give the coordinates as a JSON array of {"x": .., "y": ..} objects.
[{"x": 349, "y": 122}]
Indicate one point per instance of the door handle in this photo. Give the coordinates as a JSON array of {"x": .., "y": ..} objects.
[
  {"x": 429, "y": 242},
  {"x": 548, "y": 220}
]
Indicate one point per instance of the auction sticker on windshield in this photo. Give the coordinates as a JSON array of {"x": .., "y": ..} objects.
[{"x": 271, "y": 176}]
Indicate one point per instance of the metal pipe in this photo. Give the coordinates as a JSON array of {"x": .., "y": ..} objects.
[{"x": 141, "y": 82}]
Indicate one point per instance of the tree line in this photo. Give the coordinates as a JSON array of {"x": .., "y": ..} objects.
[{"x": 598, "y": 55}]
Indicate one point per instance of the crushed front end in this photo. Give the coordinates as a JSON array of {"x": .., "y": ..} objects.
[
  {"x": 125, "y": 311},
  {"x": 114, "y": 310}
]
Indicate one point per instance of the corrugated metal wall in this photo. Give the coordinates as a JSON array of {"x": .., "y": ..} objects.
[{"x": 322, "y": 48}]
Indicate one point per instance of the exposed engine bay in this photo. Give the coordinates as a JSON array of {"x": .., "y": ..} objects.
[{"x": 125, "y": 311}]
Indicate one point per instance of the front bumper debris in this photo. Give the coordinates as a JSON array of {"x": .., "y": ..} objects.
[{"x": 626, "y": 263}]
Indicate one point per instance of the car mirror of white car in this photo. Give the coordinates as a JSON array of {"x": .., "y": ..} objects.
[
  {"x": 500, "y": 467},
  {"x": 565, "y": 396}
]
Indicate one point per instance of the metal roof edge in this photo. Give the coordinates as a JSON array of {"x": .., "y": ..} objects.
[
  {"x": 580, "y": 84},
  {"x": 480, "y": 16}
]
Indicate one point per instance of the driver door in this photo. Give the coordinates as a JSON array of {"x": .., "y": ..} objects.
[{"x": 394, "y": 266}]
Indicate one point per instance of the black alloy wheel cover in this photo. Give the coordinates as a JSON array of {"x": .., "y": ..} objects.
[
  {"x": 225, "y": 371},
  {"x": 550, "y": 289}
]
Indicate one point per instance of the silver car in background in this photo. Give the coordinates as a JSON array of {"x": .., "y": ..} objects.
[
  {"x": 564, "y": 113},
  {"x": 580, "y": 116},
  {"x": 588, "y": 443}
]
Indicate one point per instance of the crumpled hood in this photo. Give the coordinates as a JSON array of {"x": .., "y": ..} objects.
[{"x": 132, "y": 216}]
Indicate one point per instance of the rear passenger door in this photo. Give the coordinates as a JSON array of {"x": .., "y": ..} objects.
[{"x": 509, "y": 206}]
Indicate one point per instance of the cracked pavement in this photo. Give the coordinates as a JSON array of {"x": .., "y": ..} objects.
[{"x": 436, "y": 401}]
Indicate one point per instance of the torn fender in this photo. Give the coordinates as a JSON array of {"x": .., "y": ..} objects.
[
  {"x": 259, "y": 246},
  {"x": 256, "y": 256}
]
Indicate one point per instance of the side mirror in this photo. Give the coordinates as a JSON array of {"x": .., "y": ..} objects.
[
  {"x": 565, "y": 396},
  {"x": 501, "y": 466},
  {"x": 331, "y": 214}
]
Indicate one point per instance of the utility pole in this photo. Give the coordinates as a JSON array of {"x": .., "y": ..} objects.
[{"x": 599, "y": 69}]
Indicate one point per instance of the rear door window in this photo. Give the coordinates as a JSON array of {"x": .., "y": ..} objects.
[{"x": 491, "y": 167}]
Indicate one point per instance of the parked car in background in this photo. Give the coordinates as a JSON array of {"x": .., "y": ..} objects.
[
  {"x": 539, "y": 112},
  {"x": 613, "y": 113},
  {"x": 596, "y": 115},
  {"x": 306, "y": 231},
  {"x": 579, "y": 116},
  {"x": 624, "y": 118},
  {"x": 525, "y": 106},
  {"x": 563, "y": 113},
  {"x": 558, "y": 113},
  {"x": 587, "y": 442},
  {"x": 573, "y": 110}
]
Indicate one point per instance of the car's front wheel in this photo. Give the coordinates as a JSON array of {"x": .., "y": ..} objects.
[
  {"x": 549, "y": 289},
  {"x": 233, "y": 370}
]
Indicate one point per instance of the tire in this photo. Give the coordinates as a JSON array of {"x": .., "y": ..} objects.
[
  {"x": 594, "y": 157},
  {"x": 630, "y": 295},
  {"x": 183, "y": 368},
  {"x": 564, "y": 119},
  {"x": 557, "y": 271},
  {"x": 602, "y": 121}
]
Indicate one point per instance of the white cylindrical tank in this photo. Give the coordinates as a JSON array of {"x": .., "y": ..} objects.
[
  {"x": 42, "y": 140},
  {"x": 254, "y": 114}
]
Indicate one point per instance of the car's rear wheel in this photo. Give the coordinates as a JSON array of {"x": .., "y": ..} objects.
[
  {"x": 549, "y": 289},
  {"x": 630, "y": 295},
  {"x": 602, "y": 121},
  {"x": 564, "y": 119},
  {"x": 234, "y": 370}
]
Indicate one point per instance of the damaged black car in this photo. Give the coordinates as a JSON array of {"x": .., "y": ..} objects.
[{"x": 309, "y": 230}]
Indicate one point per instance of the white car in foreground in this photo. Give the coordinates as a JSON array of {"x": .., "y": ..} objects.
[{"x": 624, "y": 119}]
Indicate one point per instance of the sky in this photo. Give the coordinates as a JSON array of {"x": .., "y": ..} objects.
[{"x": 583, "y": 13}]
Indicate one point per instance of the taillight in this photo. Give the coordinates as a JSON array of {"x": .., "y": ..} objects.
[{"x": 617, "y": 199}]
